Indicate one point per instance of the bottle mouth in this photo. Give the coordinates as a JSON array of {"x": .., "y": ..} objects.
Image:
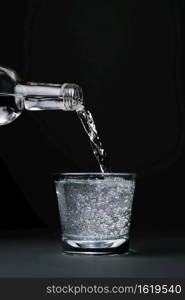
[{"x": 72, "y": 95}]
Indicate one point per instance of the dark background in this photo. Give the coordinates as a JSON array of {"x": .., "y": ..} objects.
[{"x": 149, "y": 135}]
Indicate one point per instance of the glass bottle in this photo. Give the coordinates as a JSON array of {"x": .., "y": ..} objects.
[{"x": 15, "y": 96}]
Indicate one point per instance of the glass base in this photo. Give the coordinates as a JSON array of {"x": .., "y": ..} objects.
[{"x": 118, "y": 246}]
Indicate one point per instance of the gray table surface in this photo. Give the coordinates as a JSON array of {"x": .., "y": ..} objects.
[{"x": 35, "y": 253}]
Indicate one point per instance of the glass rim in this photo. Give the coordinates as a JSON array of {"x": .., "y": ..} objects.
[{"x": 59, "y": 175}]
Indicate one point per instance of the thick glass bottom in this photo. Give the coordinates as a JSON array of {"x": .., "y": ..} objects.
[{"x": 117, "y": 246}]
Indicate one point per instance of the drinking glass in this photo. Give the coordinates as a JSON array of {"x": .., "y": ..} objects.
[{"x": 95, "y": 211}]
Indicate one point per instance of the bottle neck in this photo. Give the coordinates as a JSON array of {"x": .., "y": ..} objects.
[{"x": 40, "y": 96}]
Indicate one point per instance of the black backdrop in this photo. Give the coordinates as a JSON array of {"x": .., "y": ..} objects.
[{"x": 159, "y": 198}]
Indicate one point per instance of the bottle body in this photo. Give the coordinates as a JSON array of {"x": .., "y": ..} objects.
[
  {"x": 17, "y": 96},
  {"x": 10, "y": 108}
]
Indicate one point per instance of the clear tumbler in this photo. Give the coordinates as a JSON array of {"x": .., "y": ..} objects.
[{"x": 95, "y": 211}]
